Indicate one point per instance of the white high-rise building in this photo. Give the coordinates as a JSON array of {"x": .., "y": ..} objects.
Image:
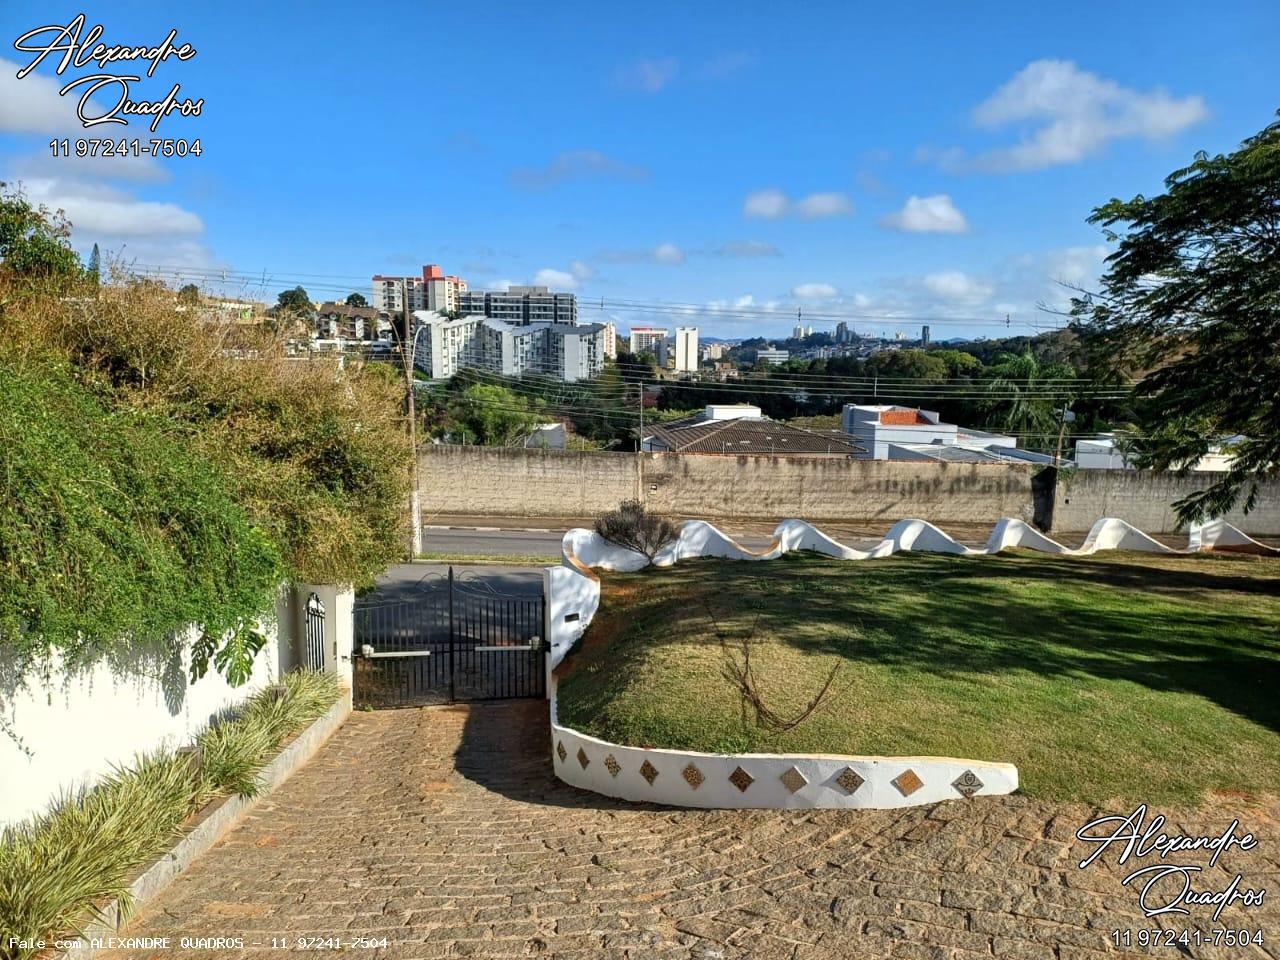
[
  {"x": 609, "y": 340},
  {"x": 388, "y": 294},
  {"x": 647, "y": 339},
  {"x": 570, "y": 351},
  {"x": 442, "y": 291},
  {"x": 686, "y": 349}
]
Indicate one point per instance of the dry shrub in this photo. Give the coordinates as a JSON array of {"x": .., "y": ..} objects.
[{"x": 316, "y": 453}]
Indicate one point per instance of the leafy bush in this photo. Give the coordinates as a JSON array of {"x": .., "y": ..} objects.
[
  {"x": 58, "y": 869},
  {"x": 113, "y": 533},
  {"x": 633, "y": 527},
  {"x": 161, "y": 471}
]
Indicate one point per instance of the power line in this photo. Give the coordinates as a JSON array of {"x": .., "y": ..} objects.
[{"x": 644, "y": 307}]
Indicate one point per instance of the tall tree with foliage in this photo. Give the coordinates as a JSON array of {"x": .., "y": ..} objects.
[
  {"x": 94, "y": 270},
  {"x": 34, "y": 241},
  {"x": 495, "y": 416},
  {"x": 295, "y": 302},
  {"x": 1022, "y": 399},
  {"x": 356, "y": 300},
  {"x": 1190, "y": 304}
]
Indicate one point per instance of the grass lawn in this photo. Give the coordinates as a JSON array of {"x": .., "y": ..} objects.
[{"x": 1123, "y": 676}]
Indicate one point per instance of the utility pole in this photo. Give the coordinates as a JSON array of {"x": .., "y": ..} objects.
[
  {"x": 407, "y": 344},
  {"x": 1062, "y": 429}
]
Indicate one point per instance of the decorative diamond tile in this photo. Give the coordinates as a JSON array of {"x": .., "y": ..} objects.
[
  {"x": 967, "y": 784},
  {"x": 693, "y": 776},
  {"x": 793, "y": 779},
  {"x": 561, "y": 752},
  {"x": 850, "y": 780},
  {"x": 741, "y": 779},
  {"x": 907, "y": 782},
  {"x": 583, "y": 758},
  {"x": 612, "y": 764},
  {"x": 649, "y": 772}
]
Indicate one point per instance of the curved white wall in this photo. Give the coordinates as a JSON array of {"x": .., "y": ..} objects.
[{"x": 786, "y": 781}]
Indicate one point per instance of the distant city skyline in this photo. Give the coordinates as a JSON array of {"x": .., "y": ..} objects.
[{"x": 891, "y": 167}]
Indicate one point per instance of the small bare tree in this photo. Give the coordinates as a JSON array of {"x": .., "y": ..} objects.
[
  {"x": 633, "y": 527},
  {"x": 738, "y": 670}
]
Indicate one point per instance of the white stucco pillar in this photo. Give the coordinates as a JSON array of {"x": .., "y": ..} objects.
[{"x": 325, "y": 618}]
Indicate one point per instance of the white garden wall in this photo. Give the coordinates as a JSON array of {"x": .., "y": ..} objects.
[
  {"x": 75, "y": 728},
  {"x": 792, "y": 781}
]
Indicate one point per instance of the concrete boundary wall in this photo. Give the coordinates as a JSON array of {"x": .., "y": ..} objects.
[
  {"x": 1146, "y": 499},
  {"x": 494, "y": 481}
]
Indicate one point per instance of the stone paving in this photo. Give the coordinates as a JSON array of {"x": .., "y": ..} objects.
[{"x": 443, "y": 831}]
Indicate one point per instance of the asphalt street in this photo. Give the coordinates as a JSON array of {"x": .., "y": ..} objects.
[{"x": 489, "y": 541}]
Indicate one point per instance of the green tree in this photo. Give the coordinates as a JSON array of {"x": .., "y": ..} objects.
[
  {"x": 356, "y": 300},
  {"x": 495, "y": 416},
  {"x": 959, "y": 363},
  {"x": 34, "y": 241},
  {"x": 189, "y": 294},
  {"x": 293, "y": 302},
  {"x": 1021, "y": 399},
  {"x": 94, "y": 271},
  {"x": 919, "y": 365},
  {"x": 1190, "y": 304}
]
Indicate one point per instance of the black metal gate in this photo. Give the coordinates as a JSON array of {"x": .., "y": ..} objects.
[{"x": 451, "y": 638}]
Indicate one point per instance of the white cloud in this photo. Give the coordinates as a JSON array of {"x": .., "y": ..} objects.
[
  {"x": 773, "y": 204},
  {"x": 814, "y": 291},
  {"x": 935, "y": 214},
  {"x": 576, "y": 165},
  {"x": 1075, "y": 265},
  {"x": 818, "y": 206},
  {"x": 33, "y": 105},
  {"x": 581, "y": 270},
  {"x": 766, "y": 204},
  {"x": 668, "y": 253},
  {"x": 649, "y": 75},
  {"x": 556, "y": 279},
  {"x": 1079, "y": 113},
  {"x": 746, "y": 248},
  {"x": 102, "y": 210},
  {"x": 957, "y": 287}
]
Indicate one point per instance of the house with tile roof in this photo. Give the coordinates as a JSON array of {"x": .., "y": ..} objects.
[{"x": 734, "y": 429}]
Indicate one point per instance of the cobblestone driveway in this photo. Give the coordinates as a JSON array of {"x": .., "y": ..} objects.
[{"x": 442, "y": 830}]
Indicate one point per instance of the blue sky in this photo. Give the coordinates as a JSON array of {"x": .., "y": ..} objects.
[{"x": 892, "y": 163}]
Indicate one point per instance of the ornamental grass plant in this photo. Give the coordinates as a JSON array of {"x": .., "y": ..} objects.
[{"x": 59, "y": 869}]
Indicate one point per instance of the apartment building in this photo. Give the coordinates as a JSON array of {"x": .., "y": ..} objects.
[
  {"x": 772, "y": 356},
  {"x": 442, "y": 291},
  {"x": 388, "y": 293},
  {"x": 610, "y": 340},
  {"x": 686, "y": 349},
  {"x": 521, "y": 305},
  {"x": 444, "y": 347},
  {"x": 567, "y": 351},
  {"x": 434, "y": 290},
  {"x": 648, "y": 339}
]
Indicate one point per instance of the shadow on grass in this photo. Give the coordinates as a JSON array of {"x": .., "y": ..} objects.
[{"x": 1208, "y": 630}]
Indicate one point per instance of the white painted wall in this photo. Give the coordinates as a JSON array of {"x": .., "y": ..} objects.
[
  {"x": 76, "y": 728},
  {"x": 766, "y": 789}
]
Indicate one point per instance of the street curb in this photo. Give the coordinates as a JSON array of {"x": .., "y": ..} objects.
[
  {"x": 465, "y": 561},
  {"x": 215, "y": 821}
]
